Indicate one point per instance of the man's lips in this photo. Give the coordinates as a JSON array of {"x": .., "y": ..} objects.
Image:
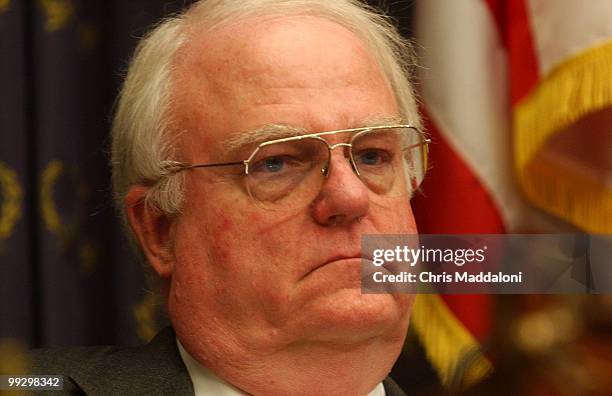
[{"x": 334, "y": 259}]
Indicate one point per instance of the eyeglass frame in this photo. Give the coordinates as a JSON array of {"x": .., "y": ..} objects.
[{"x": 179, "y": 167}]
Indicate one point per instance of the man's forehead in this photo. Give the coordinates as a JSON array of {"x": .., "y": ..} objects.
[{"x": 242, "y": 70}]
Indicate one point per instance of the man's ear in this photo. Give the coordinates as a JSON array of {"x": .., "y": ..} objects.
[{"x": 152, "y": 230}]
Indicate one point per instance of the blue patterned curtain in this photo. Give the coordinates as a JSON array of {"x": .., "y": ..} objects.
[{"x": 66, "y": 274}]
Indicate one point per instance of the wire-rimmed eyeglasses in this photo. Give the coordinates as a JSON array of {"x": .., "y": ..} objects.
[{"x": 288, "y": 173}]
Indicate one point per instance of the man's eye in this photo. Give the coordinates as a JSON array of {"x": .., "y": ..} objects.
[
  {"x": 271, "y": 164},
  {"x": 372, "y": 157},
  {"x": 274, "y": 164}
]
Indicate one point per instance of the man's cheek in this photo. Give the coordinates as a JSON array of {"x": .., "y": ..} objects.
[{"x": 397, "y": 221}]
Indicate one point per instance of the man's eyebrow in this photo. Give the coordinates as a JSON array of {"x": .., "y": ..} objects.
[
  {"x": 262, "y": 134},
  {"x": 382, "y": 121}
]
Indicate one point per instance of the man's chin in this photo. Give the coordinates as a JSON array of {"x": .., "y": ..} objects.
[{"x": 348, "y": 316}]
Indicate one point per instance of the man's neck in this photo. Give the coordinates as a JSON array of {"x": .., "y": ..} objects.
[
  {"x": 311, "y": 374},
  {"x": 204, "y": 381}
]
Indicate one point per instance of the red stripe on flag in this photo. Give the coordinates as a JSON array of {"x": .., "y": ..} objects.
[
  {"x": 524, "y": 70},
  {"x": 513, "y": 25},
  {"x": 457, "y": 205}
]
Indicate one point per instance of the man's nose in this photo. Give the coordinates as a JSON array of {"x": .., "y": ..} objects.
[{"x": 344, "y": 198}]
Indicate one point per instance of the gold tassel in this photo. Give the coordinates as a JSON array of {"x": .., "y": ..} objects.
[
  {"x": 448, "y": 344},
  {"x": 580, "y": 86}
]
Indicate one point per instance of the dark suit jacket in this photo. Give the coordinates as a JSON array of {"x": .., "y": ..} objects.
[{"x": 152, "y": 369}]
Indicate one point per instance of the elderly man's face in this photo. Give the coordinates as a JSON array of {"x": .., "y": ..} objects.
[{"x": 248, "y": 279}]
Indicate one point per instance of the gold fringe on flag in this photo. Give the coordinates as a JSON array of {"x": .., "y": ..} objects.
[
  {"x": 580, "y": 86},
  {"x": 450, "y": 348}
]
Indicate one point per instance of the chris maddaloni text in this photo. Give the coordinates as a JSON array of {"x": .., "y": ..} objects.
[{"x": 456, "y": 277}]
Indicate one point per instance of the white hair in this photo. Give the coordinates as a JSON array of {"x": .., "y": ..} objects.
[{"x": 142, "y": 136}]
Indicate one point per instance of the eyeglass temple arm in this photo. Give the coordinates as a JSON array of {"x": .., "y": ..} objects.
[
  {"x": 179, "y": 167},
  {"x": 213, "y": 165}
]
